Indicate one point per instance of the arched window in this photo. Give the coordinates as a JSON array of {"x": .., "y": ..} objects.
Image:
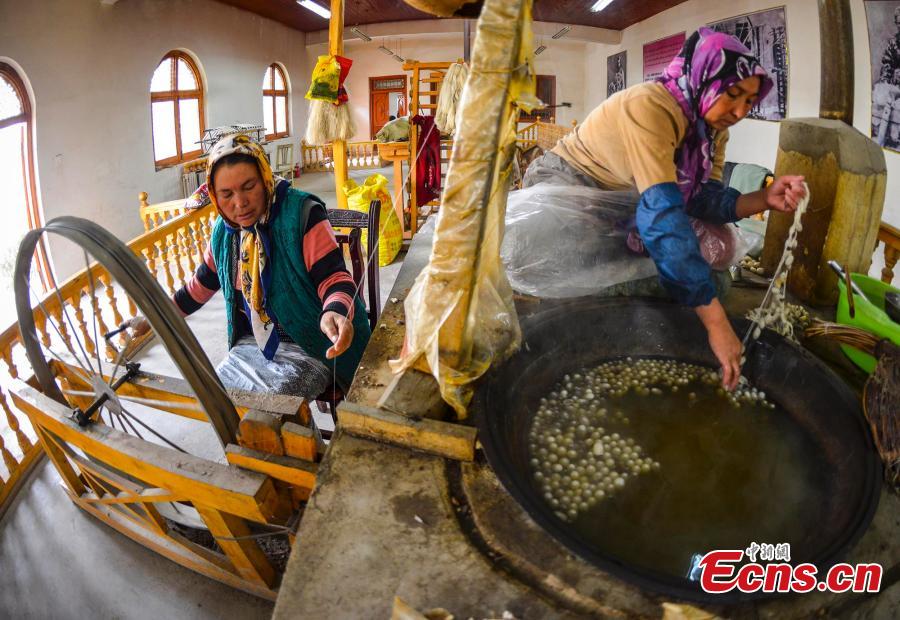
[
  {"x": 176, "y": 108},
  {"x": 275, "y": 107},
  {"x": 17, "y": 178}
]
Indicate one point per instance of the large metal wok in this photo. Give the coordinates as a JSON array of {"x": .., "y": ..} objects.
[{"x": 562, "y": 337}]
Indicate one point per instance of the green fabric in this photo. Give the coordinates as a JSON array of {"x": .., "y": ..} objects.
[
  {"x": 747, "y": 178},
  {"x": 395, "y": 130},
  {"x": 294, "y": 299}
]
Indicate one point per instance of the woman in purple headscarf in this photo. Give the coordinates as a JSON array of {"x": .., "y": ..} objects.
[{"x": 666, "y": 139}]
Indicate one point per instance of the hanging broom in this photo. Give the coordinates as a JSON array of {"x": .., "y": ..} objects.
[
  {"x": 329, "y": 122},
  {"x": 329, "y": 114},
  {"x": 881, "y": 394}
]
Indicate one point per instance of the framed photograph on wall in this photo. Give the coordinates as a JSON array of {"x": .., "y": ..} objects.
[
  {"x": 765, "y": 34},
  {"x": 883, "y": 20},
  {"x": 615, "y": 73},
  {"x": 658, "y": 54}
]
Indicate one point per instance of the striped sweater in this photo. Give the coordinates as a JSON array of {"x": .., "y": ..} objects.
[{"x": 323, "y": 258}]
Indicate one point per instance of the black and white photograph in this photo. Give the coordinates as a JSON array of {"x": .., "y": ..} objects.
[
  {"x": 883, "y": 19},
  {"x": 765, "y": 34},
  {"x": 615, "y": 73}
]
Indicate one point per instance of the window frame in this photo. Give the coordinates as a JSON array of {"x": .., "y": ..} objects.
[
  {"x": 275, "y": 93},
  {"x": 176, "y": 96},
  {"x": 12, "y": 77}
]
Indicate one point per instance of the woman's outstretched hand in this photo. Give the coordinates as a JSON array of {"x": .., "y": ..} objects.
[
  {"x": 727, "y": 349},
  {"x": 785, "y": 193},
  {"x": 339, "y": 330},
  {"x": 723, "y": 341}
]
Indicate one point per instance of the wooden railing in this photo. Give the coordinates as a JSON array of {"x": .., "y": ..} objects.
[
  {"x": 171, "y": 251},
  {"x": 544, "y": 135},
  {"x": 360, "y": 156},
  {"x": 890, "y": 237},
  {"x": 156, "y": 214}
]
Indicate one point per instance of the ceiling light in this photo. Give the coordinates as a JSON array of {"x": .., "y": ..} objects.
[
  {"x": 362, "y": 35},
  {"x": 399, "y": 58},
  {"x": 385, "y": 50},
  {"x": 600, "y": 5},
  {"x": 562, "y": 32},
  {"x": 318, "y": 9},
  {"x": 540, "y": 49}
]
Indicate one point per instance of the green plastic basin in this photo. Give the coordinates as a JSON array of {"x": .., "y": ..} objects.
[{"x": 870, "y": 316}]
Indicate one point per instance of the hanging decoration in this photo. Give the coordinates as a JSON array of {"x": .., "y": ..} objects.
[
  {"x": 329, "y": 117},
  {"x": 448, "y": 99}
]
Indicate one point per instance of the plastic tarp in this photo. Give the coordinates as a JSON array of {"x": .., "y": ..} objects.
[
  {"x": 460, "y": 315},
  {"x": 568, "y": 241},
  {"x": 292, "y": 371}
]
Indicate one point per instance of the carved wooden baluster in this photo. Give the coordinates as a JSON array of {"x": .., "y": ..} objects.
[
  {"x": 132, "y": 307},
  {"x": 142, "y": 198},
  {"x": 21, "y": 438},
  {"x": 6, "y": 356},
  {"x": 150, "y": 258},
  {"x": 40, "y": 323},
  {"x": 11, "y": 463},
  {"x": 199, "y": 240},
  {"x": 890, "y": 260},
  {"x": 102, "y": 328},
  {"x": 57, "y": 315},
  {"x": 82, "y": 325},
  {"x": 163, "y": 254},
  {"x": 187, "y": 246},
  {"x": 113, "y": 303},
  {"x": 208, "y": 223},
  {"x": 176, "y": 256}
]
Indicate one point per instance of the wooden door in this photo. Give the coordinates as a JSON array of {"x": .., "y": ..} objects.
[{"x": 383, "y": 91}]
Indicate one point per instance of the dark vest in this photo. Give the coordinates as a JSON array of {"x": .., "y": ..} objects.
[{"x": 292, "y": 297}]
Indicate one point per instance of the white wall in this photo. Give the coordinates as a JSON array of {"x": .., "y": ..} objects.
[
  {"x": 564, "y": 59},
  {"x": 89, "y": 68},
  {"x": 751, "y": 140}
]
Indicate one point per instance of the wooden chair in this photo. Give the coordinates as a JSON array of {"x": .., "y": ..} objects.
[
  {"x": 284, "y": 161},
  {"x": 364, "y": 270}
]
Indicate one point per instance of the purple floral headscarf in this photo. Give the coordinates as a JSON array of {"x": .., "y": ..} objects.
[{"x": 709, "y": 64}]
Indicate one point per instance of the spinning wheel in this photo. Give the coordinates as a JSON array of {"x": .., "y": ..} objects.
[
  {"x": 102, "y": 420},
  {"x": 97, "y": 384}
]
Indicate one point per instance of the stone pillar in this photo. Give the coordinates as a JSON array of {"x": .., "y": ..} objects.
[{"x": 847, "y": 176}]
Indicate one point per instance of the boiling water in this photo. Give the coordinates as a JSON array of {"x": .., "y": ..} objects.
[{"x": 726, "y": 477}]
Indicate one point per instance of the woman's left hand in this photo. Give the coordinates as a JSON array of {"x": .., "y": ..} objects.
[
  {"x": 339, "y": 330},
  {"x": 785, "y": 193}
]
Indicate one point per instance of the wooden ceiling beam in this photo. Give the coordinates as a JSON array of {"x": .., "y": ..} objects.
[{"x": 431, "y": 27}]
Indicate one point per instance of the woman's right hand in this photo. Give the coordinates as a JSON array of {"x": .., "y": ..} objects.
[
  {"x": 723, "y": 341},
  {"x": 727, "y": 349},
  {"x": 139, "y": 326}
]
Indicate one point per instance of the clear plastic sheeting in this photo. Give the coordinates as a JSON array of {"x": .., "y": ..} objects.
[
  {"x": 292, "y": 371},
  {"x": 570, "y": 241},
  {"x": 460, "y": 315}
]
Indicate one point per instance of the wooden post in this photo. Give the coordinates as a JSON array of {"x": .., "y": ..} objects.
[
  {"x": 836, "y": 90},
  {"x": 339, "y": 147}
]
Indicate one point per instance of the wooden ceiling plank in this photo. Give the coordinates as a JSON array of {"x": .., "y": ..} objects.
[{"x": 616, "y": 17}]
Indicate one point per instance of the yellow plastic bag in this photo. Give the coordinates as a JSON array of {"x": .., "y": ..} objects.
[
  {"x": 390, "y": 232},
  {"x": 326, "y": 80}
]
